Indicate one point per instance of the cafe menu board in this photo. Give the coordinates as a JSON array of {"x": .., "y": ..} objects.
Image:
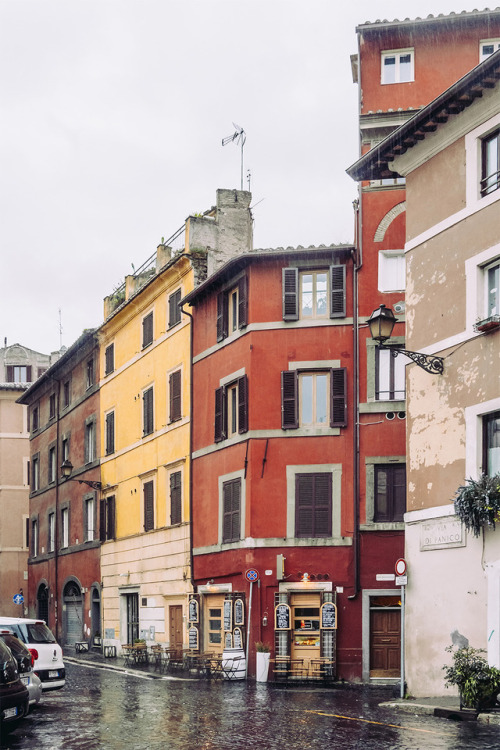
[
  {"x": 193, "y": 638},
  {"x": 239, "y": 612},
  {"x": 228, "y": 640},
  {"x": 282, "y": 617},
  {"x": 228, "y": 615},
  {"x": 237, "y": 638},
  {"x": 193, "y": 610},
  {"x": 328, "y": 616}
]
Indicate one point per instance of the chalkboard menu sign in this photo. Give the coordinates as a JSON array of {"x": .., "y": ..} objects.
[
  {"x": 328, "y": 616},
  {"x": 193, "y": 608},
  {"x": 193, "y": 638},
  {"x": 239, "y": 612},
  {"x": 282, "y": 617},
  {"x": 237, "y": 638},
  {"x": 228, "y": 640},
  {"x": 228, "y": 615}
]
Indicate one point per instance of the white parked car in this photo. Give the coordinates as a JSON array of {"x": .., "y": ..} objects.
[{"x": 47, "y": 653}]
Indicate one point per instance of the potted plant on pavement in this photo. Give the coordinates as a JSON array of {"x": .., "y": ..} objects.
[
  {"x": 262, "y": 661},
  {"x": 477, "y": 682}
]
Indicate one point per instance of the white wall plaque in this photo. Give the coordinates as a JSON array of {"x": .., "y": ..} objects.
[{"x": 441, "y": 533}]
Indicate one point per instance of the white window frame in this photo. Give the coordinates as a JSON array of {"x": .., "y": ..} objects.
[
  {"x": 474, "y": 435},
  {"x": 34, "y": 533},
  {"x": 90, "y": 505},
  {"x": 314, "y": 314},
  {"x": 483, "y": 43},
  {"x": 397, "y": 53},
  {"x": 476, "y": 285},
  {"x": 64, "y": 528},
  {"x": 314, "y": 374},
  {"x": 51, "y": 531},
  {"x": 391, "y": 271},
  {"x": 473, "y": 171},
  {"x": 35, "y": 468}
]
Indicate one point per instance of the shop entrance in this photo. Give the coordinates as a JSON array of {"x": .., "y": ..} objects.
[
  {"x": 385, "y": 636},
  {"x": 306, "y": 637},
  {"x": 213, "y": 624}
]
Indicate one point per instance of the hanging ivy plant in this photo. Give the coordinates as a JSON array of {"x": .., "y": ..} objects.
[{"x": 477, "y": 503}]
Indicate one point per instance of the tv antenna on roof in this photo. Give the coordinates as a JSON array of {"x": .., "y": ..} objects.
[{"x": 240, "y": 137}]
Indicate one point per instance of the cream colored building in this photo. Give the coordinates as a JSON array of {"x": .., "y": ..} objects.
[{"x": 449, "y": 154}]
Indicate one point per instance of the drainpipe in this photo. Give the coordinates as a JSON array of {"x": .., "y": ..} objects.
[
  {"x": 56, "y": 513},
  {"x": 191, "y": 568}
]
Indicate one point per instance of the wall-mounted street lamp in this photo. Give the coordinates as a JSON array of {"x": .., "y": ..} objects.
[
  {"x": 67, "y": 468},
  {"x": 381, "y": 322}
]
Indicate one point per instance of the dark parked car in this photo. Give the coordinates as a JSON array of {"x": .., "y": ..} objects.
[
  {"x": 14, "y": 696},
  {"x": 25, "y": 661}
]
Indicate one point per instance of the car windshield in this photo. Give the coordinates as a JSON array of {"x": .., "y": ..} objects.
[{"x": 37, "y": 632}]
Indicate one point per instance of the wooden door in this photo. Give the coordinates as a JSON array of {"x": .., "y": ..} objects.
[
  {"x": 175, "y": 626},
  {"x": 385, "y": 643}
]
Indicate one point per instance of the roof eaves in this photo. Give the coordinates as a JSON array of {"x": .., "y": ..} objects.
[{"x": 383, "y": 24}]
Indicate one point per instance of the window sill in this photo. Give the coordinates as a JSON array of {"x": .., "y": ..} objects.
[{"x": 383, "y": 526}]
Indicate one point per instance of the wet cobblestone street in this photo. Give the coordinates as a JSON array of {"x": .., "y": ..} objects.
[{"x": 112, "y": 710}]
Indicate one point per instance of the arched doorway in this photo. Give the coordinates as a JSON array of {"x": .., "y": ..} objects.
[
  {"x": 73, "y": 613},
  {"x": 42, "y": 603}
]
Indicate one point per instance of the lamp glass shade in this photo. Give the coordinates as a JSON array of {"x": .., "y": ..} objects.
[
  {"x": 381, "y": 322},
  {"x": 66, "y": 468}
]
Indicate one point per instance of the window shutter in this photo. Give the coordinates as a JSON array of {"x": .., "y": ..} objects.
[
  {"x": 147, "y": 330},
  {"x": 111, "y": 517},
  {"x": 174, "y": 311},
  {"x": 304, "y": 506},
  {"x": 231, "y": 510},
  {"x": 28, "y": 374},
  {"x": 10, "y": 373},
  {"x": 102, "y": 520},
  {"x": 175, "y": 396},
  {"x": 148, "y": 506},
  {"x": 175, "y": 498},
  {"x": 289, "y": 400},
  {"x": 313, "y": 505},
  {"x": 338, "y": 397},
  {"x": 242, "y": 302},
  {"x": 322, "y": 505},
  {"x": 221, "y": 316},
  {"x": 243, "y": 404},
  {"x": 110, "y": 359},
  {"x": 399, "y": 492},
  {"x": 337, "y": 300},
  {"x": 148, "y": 411},
  {"x": 219, "y": 432},
  {"x": 290, "y": 284},
  {"x": 235, "y": 516}
]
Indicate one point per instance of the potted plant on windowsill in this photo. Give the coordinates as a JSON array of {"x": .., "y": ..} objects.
[
  {"x": 477, "y": 503},
  {"x": 262, "y": 661},
  {"x": 488, "y": 324},
  {"x": 477, "y": 682}
]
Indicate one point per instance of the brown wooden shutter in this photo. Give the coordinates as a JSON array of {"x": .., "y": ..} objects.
[
  {"x": 175, "y": 396},
  {"x": 304, "y": 508},
  {"x": 28, "y": 374},
  {"x": 110, "y": 359},
  {"x": 399, "y": 492},
  {"x": 110, "y": 432},
  {"x": 148, "y": 411},
  {"x": 289, "y": 400},
  {"x": 147, "y": 330},
  {"x": 10, "y": 373},
  {"x": 243, "y": 404},
  {"x": 242, "y": 302},
  {"x": 175, "y": 498},
  {"x": 111, "y": 517},
  {"x": 313, "y": 505},
  {"x": 220, "y": 411},
  {"x": 231, "y": 510},
  {"x": 338, "y": 391},
  {"x": 290, "y": 286},
  {"x": 222, "y": 316},
  {"x": 337, "y": 292},
  {"x": 149, "y": 519},
  {"x": 174, "y": 311}
]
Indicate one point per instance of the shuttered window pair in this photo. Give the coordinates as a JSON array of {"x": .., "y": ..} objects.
[
  {"x": 107, "y": 519},
  {"x": 231, "y": 409},
  {"x": 174, "y": 387},
  {"x": 313, "y": 505},
  {"x": 308, "y": 295},
  {"x": 231, "y": 522},
  {"x": 232, "y": 307},
  {"x": 149, "y": 515},
  {"x": 18, "y": 373},
  {"x": 390, "y": 493},
  {"x": 323, "y": 398}
]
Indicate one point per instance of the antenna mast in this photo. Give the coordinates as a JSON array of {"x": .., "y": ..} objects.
[
  {"x": 60, "y": 329},
  {"x": 240, "y": 137}
]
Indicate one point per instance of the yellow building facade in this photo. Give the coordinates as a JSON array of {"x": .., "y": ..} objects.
[{"x": 145, "y": 439}]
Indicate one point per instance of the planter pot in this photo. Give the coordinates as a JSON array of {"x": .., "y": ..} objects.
[{"x": 262, "y": 666}]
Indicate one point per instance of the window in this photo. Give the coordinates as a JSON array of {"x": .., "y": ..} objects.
[
  {"x": 388, "y": 181},
  {"x": 89, "y": 519},
  {"x": 149, "y": 516},
  {"x": 174, "y": 387},
  {"x": 490, "y": 163},
  {"x": 52, "y": 464},
  {"x": 110, "y": 433},
  {"x": 147, "y": 330},
  {"x": 52, "y": 406},
  {"x": 34, "y": 538},
  {"x": 174, "y": 309},
  {"x": 312, "y": 295},
  {"x": 65, "y": 448},
  {"x": 35, "y": 473},
  {"x": 313, "y": 505},
  {"x": 107, "y": 518},
  {"x": 390, "y": 493},
  {"x": 487, "y": 47},
  {"x": 391, "y": 271},
  {"x": 492, "y": 280},
  {"x": 398, "y": 66},
  {"x": 231, "y": 498},
  {"x": 232, "y": 309},
  {"x": 147, "y": 412},
  {"x": 51, "y": 532},
  {"x": 66, "y": 394},
  {"x": 90, "y": 372},
  {"x": 390, "y": 376},
  {"x": 90, "y": 437},
  {"x": 491, "y": 443},
  {"x": 310, "y": 398},
  {"x": 18, "y": 373},
  {"x": 175, "y": 497},
  {"x": 109, "y": 359},
  {"x": 231, "y": 409},
  {"x": 35, "y": 418},
  {"x": 65, "y": 527}
]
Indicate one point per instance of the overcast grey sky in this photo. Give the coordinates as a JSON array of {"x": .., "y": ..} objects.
[{"x": 112, "y": 115}]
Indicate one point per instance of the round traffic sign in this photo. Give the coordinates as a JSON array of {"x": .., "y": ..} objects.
[
  {"x": 400, "y": 566},
  {"x": 252, "y": 575},
  {"x": 18, "y": 599}
]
